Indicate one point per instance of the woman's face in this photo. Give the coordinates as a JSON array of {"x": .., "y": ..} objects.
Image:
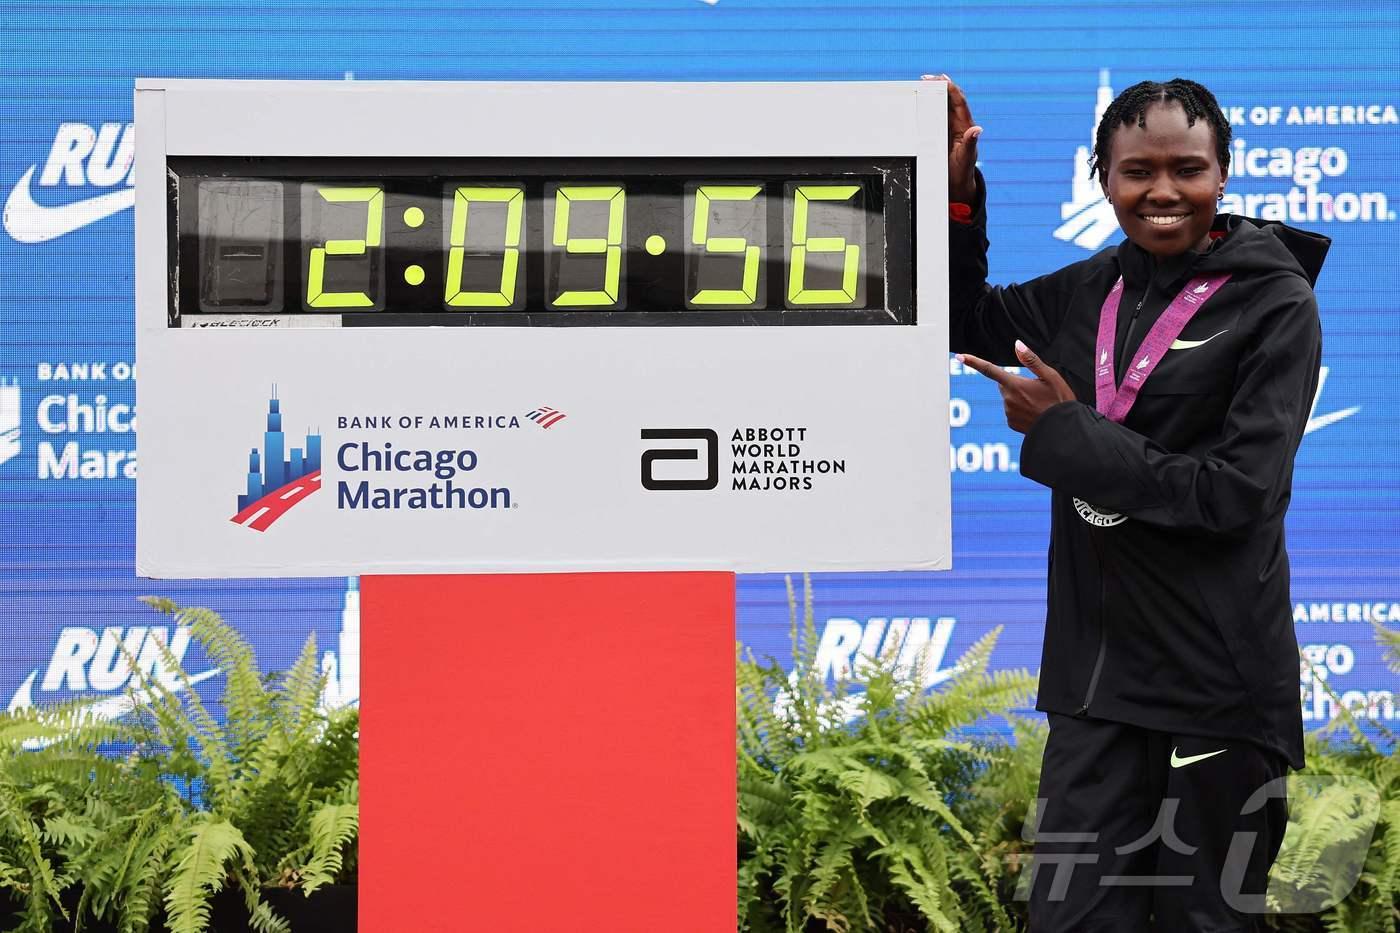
[{"x": 1164, "y": 179}]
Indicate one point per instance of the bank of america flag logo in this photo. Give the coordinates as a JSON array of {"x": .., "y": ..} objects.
[
  {"x": 278, "y": 478},
  {"x": 1087, "y": 215},
  {"x": 9, "y": 419},
  {"x": 546, "y": 417}
]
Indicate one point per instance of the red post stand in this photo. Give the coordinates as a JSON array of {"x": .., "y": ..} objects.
[{"x": 548, "y": 752}]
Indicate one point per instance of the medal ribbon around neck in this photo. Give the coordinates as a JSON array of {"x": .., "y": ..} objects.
[{"x": 1114, "y": 402}]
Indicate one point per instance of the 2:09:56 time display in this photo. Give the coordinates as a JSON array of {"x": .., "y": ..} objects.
[{"x": 494, "y": 244}]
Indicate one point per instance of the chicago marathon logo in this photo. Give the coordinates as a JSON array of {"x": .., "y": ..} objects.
[
  {"x": 1304, "y": 181},
  {"x": 278, "y": 478},
  {"x": 1088, "y": 218}
]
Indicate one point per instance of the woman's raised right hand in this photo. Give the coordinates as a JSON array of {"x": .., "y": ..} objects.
[{"x": 962, "y": 144}]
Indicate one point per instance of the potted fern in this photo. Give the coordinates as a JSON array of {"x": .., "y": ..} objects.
[
  {"x": 1341, "y": 850},
  {"x": 870, "y": 811},
  {"x": 245, "y": 824},
  {"x": 849, "y": 803}
]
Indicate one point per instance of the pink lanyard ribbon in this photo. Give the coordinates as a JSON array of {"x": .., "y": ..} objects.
[{"x": 1114, "y": 402}]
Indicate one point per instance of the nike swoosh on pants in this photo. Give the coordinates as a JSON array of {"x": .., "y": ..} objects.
[
  {"x": 29, "y": 222},
  {"x": 1178, "y": 762}
]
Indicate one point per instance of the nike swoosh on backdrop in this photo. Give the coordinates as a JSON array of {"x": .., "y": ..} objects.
[
  {"x": 1321, "y": 421},
  {"x": 1192, "y": 344},
  {"x": 1178, "y": 762},
  {"x": 29, "y": 222},
  {"x": 96, "y": 711}
]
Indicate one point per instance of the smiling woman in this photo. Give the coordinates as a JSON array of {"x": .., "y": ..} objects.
[
  {"x": 1169, "y": 667},
  {"x": 1164, "y": 171}
]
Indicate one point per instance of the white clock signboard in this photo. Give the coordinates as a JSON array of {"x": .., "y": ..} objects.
[{"x": 461, "y": 328}]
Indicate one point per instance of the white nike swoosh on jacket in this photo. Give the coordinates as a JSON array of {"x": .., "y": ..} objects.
[
  {"x": 29, "y": 222},
  {"x": 1191, "y": 344}
]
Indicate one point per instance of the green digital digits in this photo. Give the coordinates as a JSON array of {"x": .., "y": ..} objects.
[
  {"x": 503, "y": 297},
  {"x": 747, "y": 293},
  {"x": 316, "y": 297},
  {"x": 798, "y": 293},
  {"x": 610, "y": 247}
]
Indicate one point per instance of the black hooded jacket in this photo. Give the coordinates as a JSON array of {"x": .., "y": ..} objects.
[{"x": 1168, "y": 600}]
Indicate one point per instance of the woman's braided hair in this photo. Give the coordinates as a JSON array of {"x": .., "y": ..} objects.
[{"x": 1131, "y": 107}]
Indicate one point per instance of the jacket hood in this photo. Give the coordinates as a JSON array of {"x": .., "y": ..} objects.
[
  {"x": 1247, "y": 245},
  {"x": 1267, "y": 245}
]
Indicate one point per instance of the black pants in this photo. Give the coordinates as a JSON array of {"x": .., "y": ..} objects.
[{"x": 1140, "y": 830}]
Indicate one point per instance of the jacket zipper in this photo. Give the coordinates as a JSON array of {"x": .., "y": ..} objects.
[
  {"x": 1103, "y": 628},
  {"x": 1103, "y": 650},
  {"x": 1132, "y": 325}
]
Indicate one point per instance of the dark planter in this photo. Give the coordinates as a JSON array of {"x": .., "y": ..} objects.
[
  {"x": 333, "y": 909},
  {"x": 12, "y": 912}
]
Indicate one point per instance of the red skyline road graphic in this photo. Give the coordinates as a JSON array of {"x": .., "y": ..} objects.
[{"x": 260, "y": 515}]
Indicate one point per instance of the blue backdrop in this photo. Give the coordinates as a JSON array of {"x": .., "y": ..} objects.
[{"x": 1312, "y": 99}]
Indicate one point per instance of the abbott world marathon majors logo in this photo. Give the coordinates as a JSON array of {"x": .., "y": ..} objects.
[
  {"x": 764, "y": 459},
  {"x": 1299, "y": 179},
  {"x": 86, "y": 177}
]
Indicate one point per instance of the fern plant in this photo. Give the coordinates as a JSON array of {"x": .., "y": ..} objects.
[
  {"x": 279, "y": 794},
  {"x": 852, "y": 824},
  {"x": 870, "y": 812},
  {"x": 1357, "y": 791},
  {"x": 65, "y": 801}
]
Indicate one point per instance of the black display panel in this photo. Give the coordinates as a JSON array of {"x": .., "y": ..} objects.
[{"x": 538, "y": 242}]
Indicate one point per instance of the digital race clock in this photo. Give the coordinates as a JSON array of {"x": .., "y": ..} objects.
[
  {"x": 544, "y": 241},
  {"x": 626, "y": 393}
]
